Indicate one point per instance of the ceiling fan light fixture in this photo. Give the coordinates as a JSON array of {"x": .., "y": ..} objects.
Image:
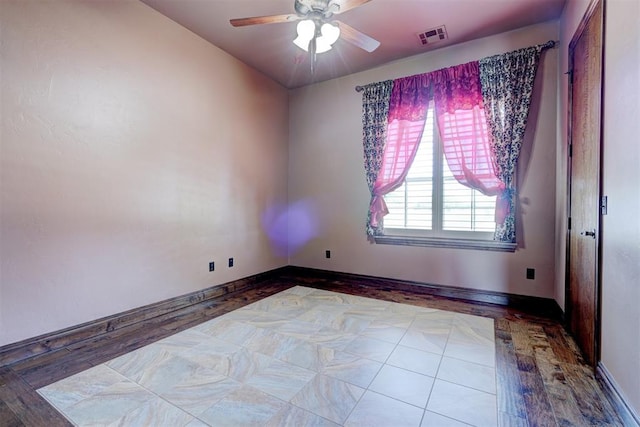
[
  {"x": 315, "y": 33},
  {"x": 330, "y": 33},
  {"x": 307, "y": 30}
]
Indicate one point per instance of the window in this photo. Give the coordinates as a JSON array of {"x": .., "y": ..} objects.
[
  {"x": 430, "y": 208},
  {"x": 432, "y": 203}
]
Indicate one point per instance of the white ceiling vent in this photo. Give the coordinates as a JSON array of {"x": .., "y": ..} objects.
[{"x": 432, "y": 36}]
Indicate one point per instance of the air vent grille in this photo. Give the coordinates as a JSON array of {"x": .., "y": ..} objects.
[{"x": 432, "y": 35}]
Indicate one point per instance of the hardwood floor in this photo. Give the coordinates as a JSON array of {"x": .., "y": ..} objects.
[{"x": 542, "y": 377}]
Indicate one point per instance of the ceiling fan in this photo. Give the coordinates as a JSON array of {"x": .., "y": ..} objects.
[{"x": 317, "y": 32}]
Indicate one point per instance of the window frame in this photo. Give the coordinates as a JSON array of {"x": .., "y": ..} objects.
[
  {"x": 446, "y": 242},
  {"x": 436, "y": 236}
]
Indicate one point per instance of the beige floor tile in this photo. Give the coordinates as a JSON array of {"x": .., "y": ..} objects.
[
  {"x": 475, "y": 322},
  {"x": 415, "y": 360},
  {"x": 370, "y": 348},
  {"x": 334, "y": 299},
  {"x": 352, "y": 368},
  {"x": 329, "y": 337},
  {"x": 196, "y": 423},
  {"x": 301, "y": 357},
  {"x": 284, "y": 304},
  {"x": 229, "y": 330},
  {"x": 212, "y": 353},
  {"x": 299, "y": 329},
  {"x": 268, "y": 320},
  {"x": 431, "y": 419},
  {"x": 244, "y": 407},
  {"x": 156, "y": 412},
  {"x": 406, "y": 309},
  {"x": 322, "y": 314},
  {"x": 139, "y": 364},
  {"x": 433, "y": 340},
  {"x": 245, "y": 363},
  {"x": 473, "y": 334},
  {"x": 367, "y": 312},
  {"x": 280, "y": 379},
  {"x": 109, "y": 405},
  {"x": 391, "y": 318},
  {"x": 349, "y": 323},
  {"x": 409, "y": 387},
  {"x": 298, "y": 290},
  {"x": 329, "y": 398},
  {"x": 308, "y": 355},
  {"x": 468, "y": 374},
  {"x": 69, "y": 391},
  {"x": 463, "y": 404},
  {"x": 392, "y": 334},
  {"x": 200, "y": 393},
  {"x": 270, "y": 343},
  {"x": 432, "y": 316},
  {"x": 171, "y": 372},
  {"x": 376, "y": 410},
  {"x": 181, "y": 341},
  {"x": 470, "y": 345},
  {"x": 292, "y": 416}
]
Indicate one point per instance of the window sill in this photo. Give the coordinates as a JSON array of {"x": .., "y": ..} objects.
[{"x": 434, "y": 242}]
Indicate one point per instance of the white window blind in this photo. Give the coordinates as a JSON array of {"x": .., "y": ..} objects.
[{"x": 432, "y": 202}]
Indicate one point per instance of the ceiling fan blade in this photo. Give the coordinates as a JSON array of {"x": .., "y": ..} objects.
[
  {"x": 345, "y": 5},
  {"x": 272, "y": 19},
  {"x": 357, "y": 38}
]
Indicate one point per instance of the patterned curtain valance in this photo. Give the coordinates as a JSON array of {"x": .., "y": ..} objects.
[{"x": 540, "y": 47}]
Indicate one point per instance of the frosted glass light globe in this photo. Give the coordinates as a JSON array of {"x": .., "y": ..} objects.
[{"x": 306, "y": 31}]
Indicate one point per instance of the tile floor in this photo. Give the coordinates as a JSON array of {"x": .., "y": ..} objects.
[{"x": 302, "y": 357}]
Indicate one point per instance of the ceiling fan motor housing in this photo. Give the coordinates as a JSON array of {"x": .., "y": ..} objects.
[{"x": 323, "y": 8}]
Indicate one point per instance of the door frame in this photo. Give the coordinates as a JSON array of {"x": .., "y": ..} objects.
[{"x": 591, "y": 9}]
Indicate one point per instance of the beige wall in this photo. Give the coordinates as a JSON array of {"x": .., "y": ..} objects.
[
  {"x": 621, "y": 183},
  {"x": 326, "y": 167},
  {"x": 620, "y": 232},
  {"x": 132, "y": 154}
]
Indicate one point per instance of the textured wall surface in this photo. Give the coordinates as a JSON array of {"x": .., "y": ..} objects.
[
  {"x": 620, "y": 183},
  {"x": 132, "y": 154}
]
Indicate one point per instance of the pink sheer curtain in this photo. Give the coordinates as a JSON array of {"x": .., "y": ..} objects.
[
  {"x": 463, "y": 131},
  {"x": 407, "y": 113}
]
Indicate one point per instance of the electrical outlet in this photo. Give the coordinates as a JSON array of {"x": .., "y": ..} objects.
[
  {"x": 230, "y": 262},
  {"x": 531, "y": 273},
  {"x": 327, "y": 254},
  {"x": 212, "y": 266}
]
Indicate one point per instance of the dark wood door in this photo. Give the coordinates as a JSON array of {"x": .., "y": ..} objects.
[{"x": 585, "y": 91}]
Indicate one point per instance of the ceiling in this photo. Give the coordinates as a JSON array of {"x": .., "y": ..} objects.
[{"x": 269, "y": 48}]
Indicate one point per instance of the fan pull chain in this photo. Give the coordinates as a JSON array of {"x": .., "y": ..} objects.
[{"x": 312, "y": 54}]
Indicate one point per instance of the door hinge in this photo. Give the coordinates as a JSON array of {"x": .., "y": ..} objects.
[
  {"x": 570, "y": 150},
  {"x": 570, "y": 74},
  {"x": 569, "y": 223},
  {"x": 603, "y": 205}
]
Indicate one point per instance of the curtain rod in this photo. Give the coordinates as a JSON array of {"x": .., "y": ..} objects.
[{"x": 544, "y": 46}]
